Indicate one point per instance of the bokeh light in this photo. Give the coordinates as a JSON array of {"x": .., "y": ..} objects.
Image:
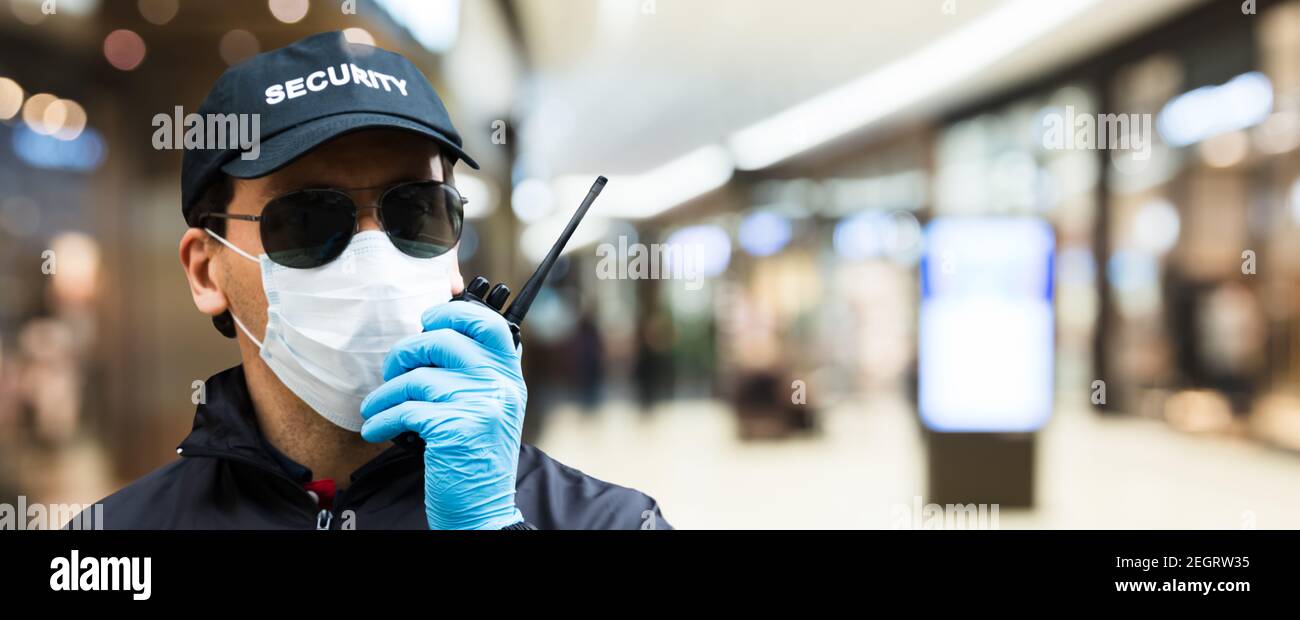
[
  {"x": 34, "y": 112},
  {"x": 764, "y": 233},
  {"x": 77, "y": 275},
  {"x": 707, "y": 244},
  {"x": 1280, "y": 133},
  {"x": 1225, "y": 150},
  {"x": 481, "y": 196},
  {"x": 238, "y": 45},
  {"x": 85, "y": 153},
  {"x": 532, "y": 200},
  {"x": 894, "y": 235},
  {"x": 28, "y": 11},
  {"x": 289, "y": 11},
  {"x": 359, "y": 35},
  {"x": 158, "y": 12},
  {"x": 65, "y": 119},
  {"x": 124, "y": 49},
  {"x": 1156, "y": 226},
  {"x": 11, "y": 98}
]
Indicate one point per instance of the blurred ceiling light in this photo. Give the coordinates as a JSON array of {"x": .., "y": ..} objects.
[
  {"x": 289, "y": 11},
  {"x": 1156, "y": 226},
  {"x": 480, "y": 195},
  {"x": 158, "y": 12},
  {"x": 124, "y": 49},
  {"x": 435, "y": 24},
  {"x": 655, "y": 191},
  {"x": 34, "y": 112},
  {"x": 1280, "y": 133},
  {"x": 237, "y": 46},
  {"x": 532, "y": 200},
  {"x": 945, "y": 63},
  {"x": 1197, "y": 115},
  {"x": 764, "y": 233},
  {"x": 1225, "y": 150},
  {"x": 360, "y": 36},
  {"x": 11, "y": 98},
  {"x": 65, "y": 119}
]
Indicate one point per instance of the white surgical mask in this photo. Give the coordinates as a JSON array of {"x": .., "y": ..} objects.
[{"x": 329, "y": 328}]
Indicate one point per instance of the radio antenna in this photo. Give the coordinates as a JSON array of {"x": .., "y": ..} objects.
[{"x": 524, "y": 300}]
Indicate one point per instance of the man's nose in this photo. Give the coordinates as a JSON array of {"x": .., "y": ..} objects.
[
  {"x": 368, "y": 218},
  {"x": 367, "y": 209}
]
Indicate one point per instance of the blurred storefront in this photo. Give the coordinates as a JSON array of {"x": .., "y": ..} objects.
[
  {"x": 1200, "y": 271},
  {"x": 1174, "y": 274}
]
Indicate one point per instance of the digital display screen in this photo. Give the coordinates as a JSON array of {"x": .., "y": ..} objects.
[{"x": 986, "y": 325}]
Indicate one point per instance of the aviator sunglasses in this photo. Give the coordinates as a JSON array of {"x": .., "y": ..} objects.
[{"x": 308, "y": 228}]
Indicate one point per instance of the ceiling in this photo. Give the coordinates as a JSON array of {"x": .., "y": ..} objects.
[{"x": 623, "y": 86}]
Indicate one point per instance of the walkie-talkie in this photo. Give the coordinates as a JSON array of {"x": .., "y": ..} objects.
[{"x": 478, "y": 292}]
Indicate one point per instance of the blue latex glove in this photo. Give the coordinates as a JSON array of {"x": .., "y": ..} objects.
[{"x": 459, "y": 385}]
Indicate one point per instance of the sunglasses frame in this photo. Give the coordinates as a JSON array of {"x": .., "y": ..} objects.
[{"x": 355, "y": 211}]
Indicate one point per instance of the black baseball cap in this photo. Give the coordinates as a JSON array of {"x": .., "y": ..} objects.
[{"x": 308, "y": 93}]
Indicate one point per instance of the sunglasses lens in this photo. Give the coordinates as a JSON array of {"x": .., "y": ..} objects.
[
  {"x": 308, "y": 228},
  {"x": 422, "y": 219}
]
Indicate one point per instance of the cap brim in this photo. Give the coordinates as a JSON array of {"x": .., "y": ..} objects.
[{"x": 283, "y": 148}]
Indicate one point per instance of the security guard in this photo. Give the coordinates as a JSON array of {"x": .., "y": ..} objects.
[{"x": 330, "y": 258}]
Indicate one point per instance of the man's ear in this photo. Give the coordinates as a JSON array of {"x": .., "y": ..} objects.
[{"x": 197, "y": 253}]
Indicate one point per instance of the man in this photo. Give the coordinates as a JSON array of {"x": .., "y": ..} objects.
[{"x": 330, "y": 257}]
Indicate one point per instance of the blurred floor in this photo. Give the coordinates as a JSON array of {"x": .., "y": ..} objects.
[{"x": 1095, "y": 472}]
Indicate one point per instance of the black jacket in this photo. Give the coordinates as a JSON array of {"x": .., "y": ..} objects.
[{"x": 229, "y": 477}]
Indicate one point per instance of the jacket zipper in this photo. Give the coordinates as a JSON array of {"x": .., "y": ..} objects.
[
  {"x": 275, "y": 473},
  {"x": 324, "y": 518}
]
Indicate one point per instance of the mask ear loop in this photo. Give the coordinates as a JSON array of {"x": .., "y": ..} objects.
[
  {"x": 231, "y": 245},
  {"x": 246, "y": 332},
  {"x": 228, "y": 313}
]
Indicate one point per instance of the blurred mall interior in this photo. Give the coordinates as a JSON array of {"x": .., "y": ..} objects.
[{"x": 811, "y": 151}]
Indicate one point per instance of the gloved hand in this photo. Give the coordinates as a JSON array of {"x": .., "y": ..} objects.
[{"x": 459, "y": 385}]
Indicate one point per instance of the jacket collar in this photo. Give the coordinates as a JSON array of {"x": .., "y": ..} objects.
[{"x": 226, "y": 427}]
